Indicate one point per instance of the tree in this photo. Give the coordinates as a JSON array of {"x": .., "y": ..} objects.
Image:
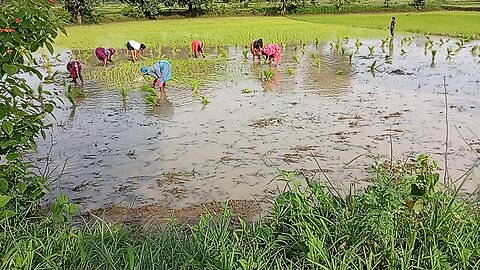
[
  {"x": 149, "y": 8},
  {"x": 25, "y": 26},
  {"x": 80, "y": 8}
]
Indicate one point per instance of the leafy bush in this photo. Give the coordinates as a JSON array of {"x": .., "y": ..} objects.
[{"x": 26, "y": 26}]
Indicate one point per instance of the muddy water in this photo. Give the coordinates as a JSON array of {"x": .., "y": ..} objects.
[{"x": 182, "y": 153}]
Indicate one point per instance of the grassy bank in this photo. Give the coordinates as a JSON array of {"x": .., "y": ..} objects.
[
  {"x": 441, "y": 22},
  {"x": 403, "y": 220}
]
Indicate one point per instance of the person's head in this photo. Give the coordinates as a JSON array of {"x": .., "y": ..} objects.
[
  {"x": 112, "y": 50},
  {"x": 142, "y": 47},
  {"x": 393, "y": 18},
  {"x": 144, "y": 70}
]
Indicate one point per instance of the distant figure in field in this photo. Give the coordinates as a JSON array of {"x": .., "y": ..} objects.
[
  {"x": 161, "y": 71},
  {"x": 136, "y": 49},
  {"x": 75, "y": 69},
  {"x": 392, "y": 26},
  {"x": 256, "y": 48},
  {"x": 197, "y": 48},
  {"x": 104, "y": 54},
  {"x": 273, "y": 53}
]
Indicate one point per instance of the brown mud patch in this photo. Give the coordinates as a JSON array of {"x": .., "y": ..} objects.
[{"x": 149, "y": 216}]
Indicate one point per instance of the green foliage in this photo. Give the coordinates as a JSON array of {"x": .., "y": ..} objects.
[
  {"x": 246, "y": 91},
  {"x": 419, "y": 4},
  {"x": 22, "y": 110}
]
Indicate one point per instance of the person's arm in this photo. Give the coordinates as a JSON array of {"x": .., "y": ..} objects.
[
  {"x": 133, "y": 55},
  {"x": 105, "y": 62}
]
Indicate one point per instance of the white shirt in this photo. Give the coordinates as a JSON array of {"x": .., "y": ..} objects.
[{"x": 135, "y": 45}]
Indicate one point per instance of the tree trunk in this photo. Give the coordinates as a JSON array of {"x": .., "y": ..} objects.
[
  {"x": 190, "y": 7},
  {"x": 79, "y": 17},
  {"x": 1, "y": 2}
]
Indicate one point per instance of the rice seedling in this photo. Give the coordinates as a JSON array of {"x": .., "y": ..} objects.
[
  {"x": 151, "y": 95},
  {"x": 358, "y": 44},
  {"x": 195, "y": 86},
  {"x": 74, "y": 92},
  {"x": 337, "y": 45},
  {"x": 371, "y": 50},
  {"x": 342, "y": 51},
  {"x": 339, "y": 72},
  {"x": 313, "y": 56},
  {"x": 434, "y": 53},
  {"x": 245, "y": 53},
  {"x": 317, "y": 41},
  {"x": 350, "y": 57},
  {"x": 222, "y": 53},
  {"x": 50, "y": 78},
  {"x": 246, "y": 91},
  {"x": 403, "y": 52},
  {"x": 204, "y": 100},
  {"x": 384, "y": 41},
  {"x": 291, "y": 70},
  {"x": 428, "y": 44},
  {"x": 474, "y": 50},
  {"x": 124, "y": 94},
  {"x": 151, "y": 99},
  {"x": 268, "y": 75},
  {"x": 295, "y": 58},
  {"x": 460, "y": 45},
  {"x": 318, "y": 62},
  {"x": 450, "y": 54},
  {"x": 373, "y": 66}
]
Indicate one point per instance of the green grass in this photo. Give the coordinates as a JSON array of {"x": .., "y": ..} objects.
[
  {"x": 402, "y": 220},
  {"x": 453, "y": 23},
  {"x": 212, "y": 31}
]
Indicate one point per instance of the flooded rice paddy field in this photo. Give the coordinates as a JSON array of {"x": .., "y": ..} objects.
[{"x": 181, "y": 153}]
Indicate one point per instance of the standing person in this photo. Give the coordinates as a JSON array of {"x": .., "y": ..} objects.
[
  {"x": 75, "y": 69},
  {"x": 161, "y": 71},
  {"x": 392, "y": 26},
  {"x": 256, "y": 48},
  {"x": 104, "y": 54},
  {"x": 136, "y": 49},
  {"x": 197, "y": 48},
  {"x": 273, "y": 53}
]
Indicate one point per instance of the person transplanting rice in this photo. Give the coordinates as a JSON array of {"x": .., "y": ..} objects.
[
  {"x": 105, "y": 55},
  {"x": 161, "y": 71}
]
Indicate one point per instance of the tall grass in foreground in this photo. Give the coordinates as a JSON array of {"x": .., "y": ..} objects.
[{"x": 403, "y": 220}]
